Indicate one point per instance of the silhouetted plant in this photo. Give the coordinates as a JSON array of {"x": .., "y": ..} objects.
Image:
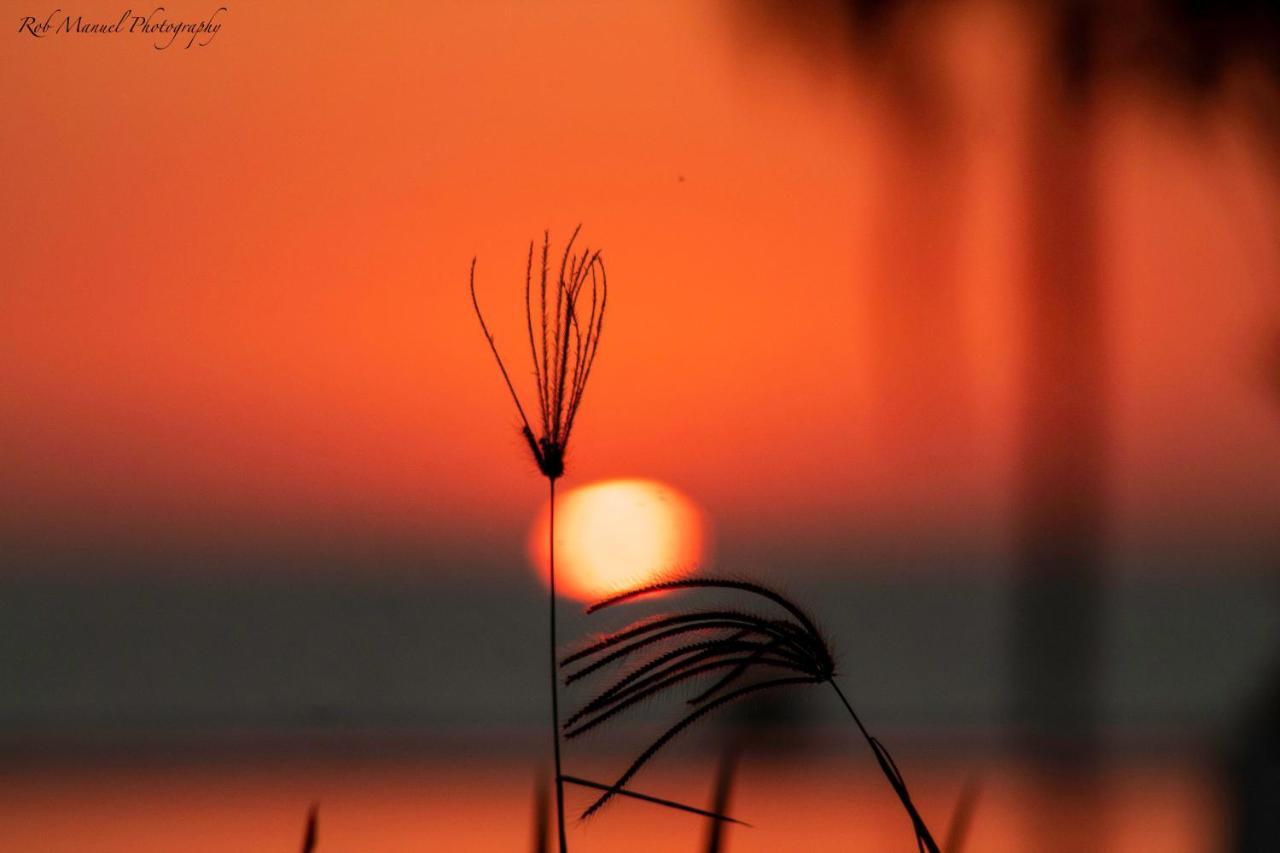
[
  {"x": 657, "y": 801},
  {"x": 734, "y": 645},
  {"x": 541, "y": 827},
  {"x": 311, "y": 833},
  {"x": 563, "y": 345},
  {"x": 962, "y": 817},
  {"x": 725, "y": 772},
  {"x": 564, "y": 336}
]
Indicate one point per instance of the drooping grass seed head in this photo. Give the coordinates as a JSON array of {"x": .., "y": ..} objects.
[{"x": 744, "y": 652}]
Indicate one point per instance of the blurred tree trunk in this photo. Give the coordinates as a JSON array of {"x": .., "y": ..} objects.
[
  {"x": 1061, "y": 507},
  {"x": 1253, "y": 757},
  {"x": 920, "y": 372}
]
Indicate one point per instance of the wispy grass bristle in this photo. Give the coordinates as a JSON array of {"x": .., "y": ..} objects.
[
  {"x": 744, "y": 643},
  {"x": 606, "y": 708},
  {"x": 662, "y": 629},
  {"x": 665, "y": 664},
  {"x": 653, "y": 749},
  {"x": 563, "y": 324}
]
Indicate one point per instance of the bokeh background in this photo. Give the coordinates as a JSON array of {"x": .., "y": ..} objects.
[{"x": 958, "y": 320}]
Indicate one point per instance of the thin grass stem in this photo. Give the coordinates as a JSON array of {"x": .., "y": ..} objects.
[
  {"x": 716, "y": 816},
  {"x": 887, "y": 766},
  {"x": 555, "y": 682}
]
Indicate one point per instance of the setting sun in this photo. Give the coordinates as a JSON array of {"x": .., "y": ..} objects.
[{"x": 616, "y": 534}]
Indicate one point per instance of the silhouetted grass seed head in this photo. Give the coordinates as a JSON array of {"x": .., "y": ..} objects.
[
  {"x": 564, "y": 316},
  {"x": 741, "y": 651}
]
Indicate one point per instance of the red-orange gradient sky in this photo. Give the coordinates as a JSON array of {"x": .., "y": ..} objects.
[{"x": 233, "y": 290}]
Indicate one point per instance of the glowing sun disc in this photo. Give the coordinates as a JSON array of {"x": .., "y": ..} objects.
[{"x": 617, "y": 534}]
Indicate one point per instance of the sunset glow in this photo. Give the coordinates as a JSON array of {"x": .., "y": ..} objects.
[
  {"x": 587, "y": 427},
  {"x": 319, "y": 369},
  {"x": 617, "y": 534}
]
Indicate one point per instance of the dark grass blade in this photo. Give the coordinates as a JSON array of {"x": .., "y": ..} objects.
[
  {"x": 657, "y": 801},
  {"x": 541, "y": 815},
  {"x": 688, "y": 720},
  {"x": 962, "y": 817},
  {"x": 311, "y": 833},
  {"x": 716, "y": 830}
]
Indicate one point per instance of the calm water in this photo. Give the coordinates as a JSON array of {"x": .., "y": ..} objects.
[{"x": 486, "y": 805}]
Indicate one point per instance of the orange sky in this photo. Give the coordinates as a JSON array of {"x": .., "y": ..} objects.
[{"x": 234, "y": 289}]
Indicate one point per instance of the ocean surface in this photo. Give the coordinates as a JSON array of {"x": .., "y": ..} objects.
[{"x": 487, "y": 804}]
